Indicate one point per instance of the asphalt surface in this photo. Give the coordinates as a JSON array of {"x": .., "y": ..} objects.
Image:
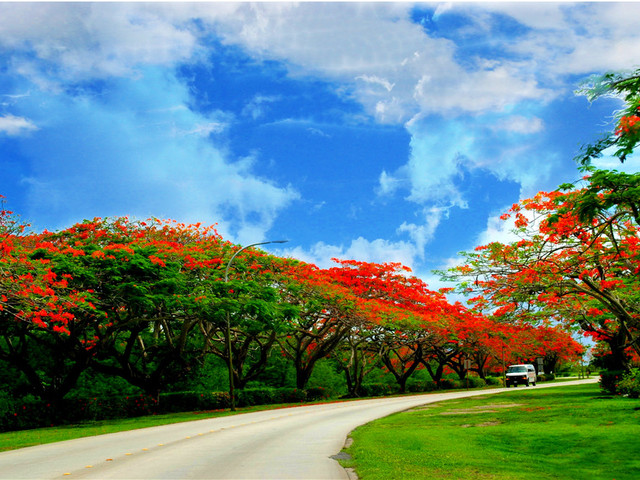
[{"x": 288, "y": 443}]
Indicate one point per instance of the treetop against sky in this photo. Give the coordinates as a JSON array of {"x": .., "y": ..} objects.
[{"x": 381, "y": 132}]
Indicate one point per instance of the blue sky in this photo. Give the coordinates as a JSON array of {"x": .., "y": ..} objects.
[{"x": 375, "y": 131}]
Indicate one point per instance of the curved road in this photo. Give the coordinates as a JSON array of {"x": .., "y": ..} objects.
[{"x": 288, "y": 443}]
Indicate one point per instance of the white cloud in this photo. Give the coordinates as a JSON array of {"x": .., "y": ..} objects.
[
  {"x": 497, "y": 230},
  {"x": 360, "y": 249},
  {"x": 143, "y": 169},
  {"x": 519, "y": 124},
  {"x": 13, "y": 126},
  {"x": 387, "y": 184},
  {"x": 258, "y": 105},
  {"x": 438, "y": 150},
  {"x": 423, "y": 234},
  {"x": 82, "y": 40},
  {"x": 375, "y": 80}
]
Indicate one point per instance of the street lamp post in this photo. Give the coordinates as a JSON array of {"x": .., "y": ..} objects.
[{"x": 232, "y": 399}]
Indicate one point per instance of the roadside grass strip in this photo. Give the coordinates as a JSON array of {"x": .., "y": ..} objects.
[{"x": 570, "y": 433}]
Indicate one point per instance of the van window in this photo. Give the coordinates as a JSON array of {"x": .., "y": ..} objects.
[{"x": 517, "y": 369}]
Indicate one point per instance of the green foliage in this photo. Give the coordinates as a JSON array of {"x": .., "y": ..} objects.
[
  {"x": 326, "y": 375},
  {"x": 271, "y": 396},
  {"x": 475, "y": 382},
  {"x": 449, "y": 383},
  {"x": 493, "y": 381},
  {"x": 629, "y": 385},
  {"x": 624, "y": 85},
  {"x": 193, "y": 401},
  {"x": 609, "y": 380},
  {"x": 378, "y": 389}
]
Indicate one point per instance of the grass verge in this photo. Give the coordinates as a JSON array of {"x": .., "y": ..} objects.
[{"x": 557, "y": 433}]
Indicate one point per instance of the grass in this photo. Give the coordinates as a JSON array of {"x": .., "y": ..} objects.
[{"x": 570, "y": 432}]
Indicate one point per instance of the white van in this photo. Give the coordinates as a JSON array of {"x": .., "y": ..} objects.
[{"x": 524, "y": 374}]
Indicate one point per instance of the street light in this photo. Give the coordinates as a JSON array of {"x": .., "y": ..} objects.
[{"x": 232, "y": 399}]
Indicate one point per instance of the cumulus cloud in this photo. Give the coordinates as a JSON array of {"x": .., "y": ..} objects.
[
  {"x": 14, "y": 126},
  {"x": 519, "y": 124},
  {"x": 155, "y": 161},
  {"x": 423, "y": 234},
  {"x": 360, "y": 249},
  {"x": 83, "y": 40}
]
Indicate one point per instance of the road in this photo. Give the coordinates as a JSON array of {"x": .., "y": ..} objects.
[{"x": 287, "y": 443}]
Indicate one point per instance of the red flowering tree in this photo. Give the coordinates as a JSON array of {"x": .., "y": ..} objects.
[
  {"x": 40, "y": 334},
  {"x": 413, "y": 321},
  {"x": 327, "y": 313},
  {"x": 137, "y": 279},
  {"x": 583, "y": 274}
]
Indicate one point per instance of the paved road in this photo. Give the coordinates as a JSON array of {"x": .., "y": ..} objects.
[{"x": 288, "y": 443}]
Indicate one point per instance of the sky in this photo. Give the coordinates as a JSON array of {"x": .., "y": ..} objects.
[{"x": 380, "y": 132}]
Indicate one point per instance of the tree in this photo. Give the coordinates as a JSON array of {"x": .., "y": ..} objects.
[
  {"x": 581, "y": 274},
  {"x": 42, "y": 331},
  {"x": 138, "y": 281},
  {"x": 257, "y": 313},
  {"x": 624, "y": 138}
]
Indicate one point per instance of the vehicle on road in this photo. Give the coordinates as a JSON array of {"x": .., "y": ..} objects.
[{"x": 524, "y": 374}]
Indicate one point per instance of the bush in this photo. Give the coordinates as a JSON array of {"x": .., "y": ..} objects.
[
  {"x": 255, "y": 396},
  {"x": 7, "y": 409},
  {"x": 630, "y": 383},
  {"x": 475, "y": 382},
  {"x": 378, "y": 389},
  {"x": 317, "y": 393},
  {"x": 493, "y": 381},
  {"x": 430, "y": 386},
  {"x": 415, "y": 387},
  {"x": 449, "y": 384},
  {"x": 609, "y": 381},
  {"x": 546, "y": 377},
  {"x": 290, "y": 395}
]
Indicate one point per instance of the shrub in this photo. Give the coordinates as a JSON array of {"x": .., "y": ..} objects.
[
  {"x": 415, "y": 387},
  {"x": 630, "y": 383},
  {"x": 377, "y": 389},
  {"x": 609, "y": 381},
  {"x": 449, "y": 383},
  {"x": 493, "y": 380},
  {"x": 546, "y": 377},
  {"x": 256, "y": 396},
  {"x": 290, "y": 395},
  {"x": 317, "y": 393},
  {"x": 474, "y": 382},
  {"x": 430, "y": 386}
]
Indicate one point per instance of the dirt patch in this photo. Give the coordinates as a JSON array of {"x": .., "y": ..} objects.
[
  {"x": 491, "y": 408},
  {"x": 483, "y": 424}
]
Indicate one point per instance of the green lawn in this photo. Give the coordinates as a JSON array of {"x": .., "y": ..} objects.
[{"x": 571, "y": 432}]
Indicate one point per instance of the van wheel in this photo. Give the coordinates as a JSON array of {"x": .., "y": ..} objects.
[
  {"x": 534, "y": 384},
  {"x": 527, "y": 383}
]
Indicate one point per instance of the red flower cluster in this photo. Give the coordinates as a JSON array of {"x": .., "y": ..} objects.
[{"x": 628, "y": 124}]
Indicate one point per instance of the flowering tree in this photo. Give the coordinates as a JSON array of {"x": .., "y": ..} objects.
[
  {"x": 327, "y": 313},
  {"x": 563, "y": 269},
  {"x": 41, "y": 335},
  {"x": 624, "y": 85}
]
